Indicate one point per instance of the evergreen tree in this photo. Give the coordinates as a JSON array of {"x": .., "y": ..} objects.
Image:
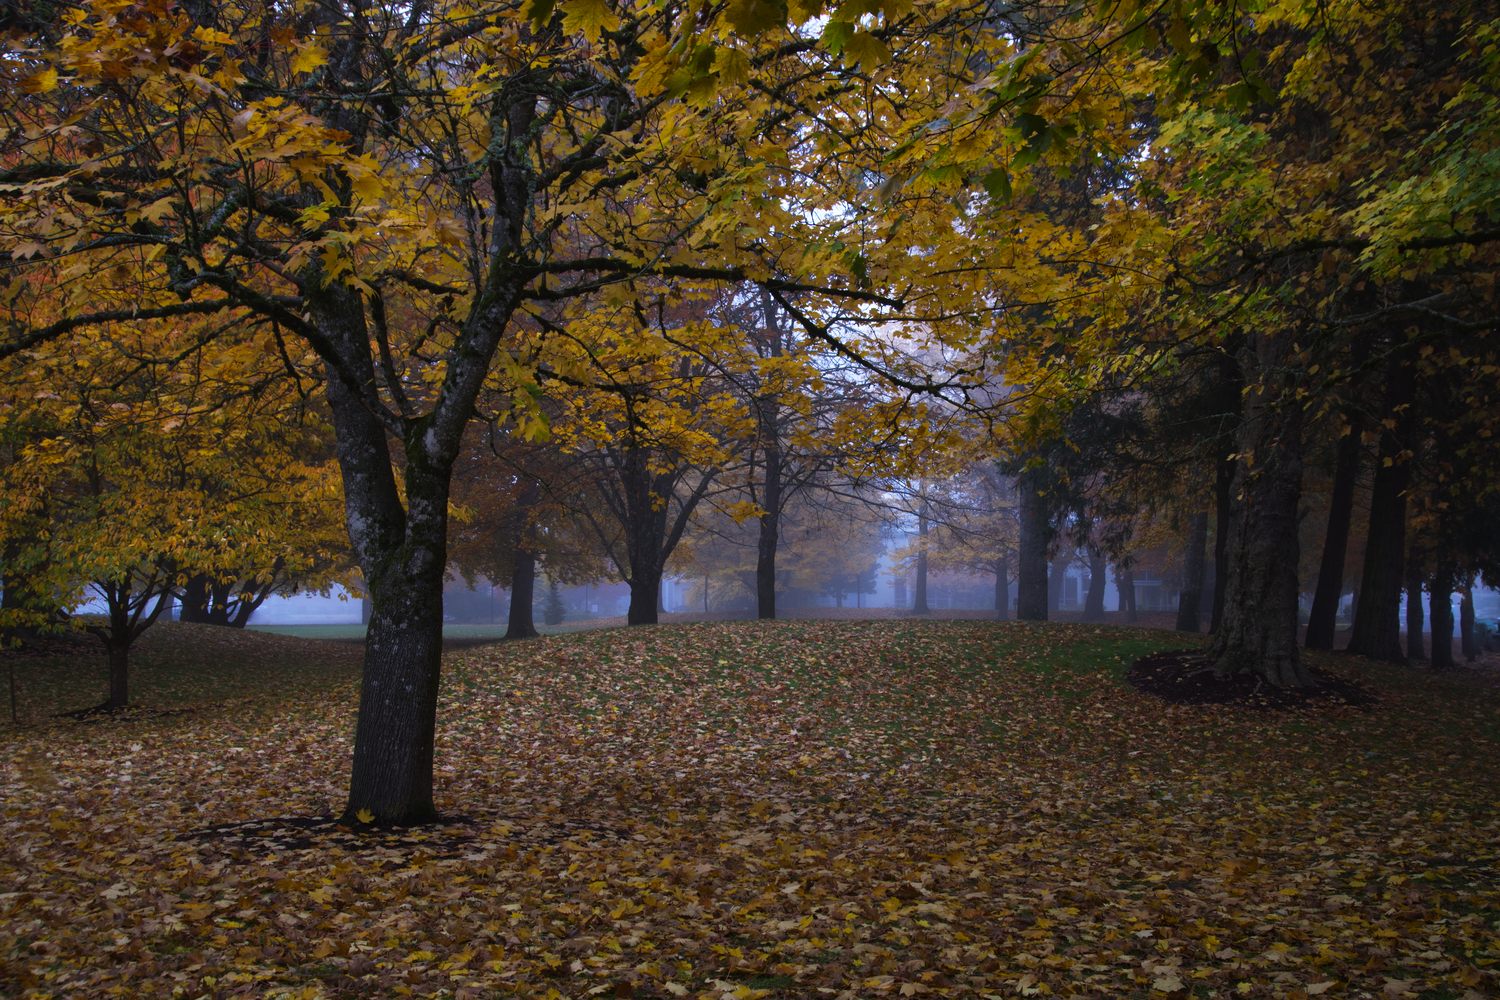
[{"x": 553, "y": 612}]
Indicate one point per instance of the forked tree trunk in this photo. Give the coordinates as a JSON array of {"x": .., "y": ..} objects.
[
  {"x": 1376, "y": 631},
  {"x": 1031, "y": 584},
  {"x": 1258, "y": 633},
  {"x": 1416, "y": 648},
  {"x": 130, "y": 614},
  {"x": 640, "y": 501},
  {"x": 1322, "y": 618},
  {"x": 1440, "y": 601},
  {"x": 521, "y": 623},
  {"x": 1093, "y": 607},
  {"x": 1002, "y": 588},
  {"x": 1192, "y": 574}
]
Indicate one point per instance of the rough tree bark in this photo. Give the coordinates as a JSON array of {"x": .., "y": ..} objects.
[
  {"x": 1415, "y": 645},
  {"x": 1189, "y": 602},
  {"x": 1036, "y": 535},
  {"x": 1376, "y": 631},
  {"x": 1258, "y": 630},
  {"x": 1330, "y": 587}
]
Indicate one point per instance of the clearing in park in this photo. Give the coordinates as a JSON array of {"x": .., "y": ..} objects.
[{"x": 769, "y": 809}]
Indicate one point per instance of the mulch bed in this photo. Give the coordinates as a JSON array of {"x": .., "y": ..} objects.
[{"x": 1186, "y": 677}]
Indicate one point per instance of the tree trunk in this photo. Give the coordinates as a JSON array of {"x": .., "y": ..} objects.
[
  {"x": 119, "y": 675},
  {"x": 1230, "y": 381},
  {"x": 1466, "y": 625},
  {"x": 1440, "y": 601},
  {"x": 770, "y": 537},
  {"x": 919, "y": 599},
  {"x": 1223, "y": 507},
  {"x": 1325, "y": 605},
  {"x": 393, "y": 745},
  {"x": 644, "y": 587},
  {"x": 1125, "y": 584},
  {"x": 402, "y": 553},
  {"x": 1376, "y": 631},
  {"x": 1258, "y": 633},
  {"x": 128, "y": 619},
  {"x": 1192, "y": 575},
  {"x": 768, "y": 419},
  {"x": 1093, "y": 608},
  {"x": 522, "y": 624},
  {"x": 1002, "y": 588},
  {"x": 195, "y": 598},
  {"x": 1415, "y": 644},
  {"x": 1031, "y": 583},
  {"x": 640, "y": 501}
]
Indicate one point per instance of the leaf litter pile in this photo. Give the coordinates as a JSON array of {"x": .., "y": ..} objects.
[{"x": 747, "y": 809}]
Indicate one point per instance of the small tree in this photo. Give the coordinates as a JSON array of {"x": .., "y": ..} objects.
[{"x": 553, "y": 612}]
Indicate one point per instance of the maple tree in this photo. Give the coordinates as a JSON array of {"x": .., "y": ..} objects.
[
  {"x": 525, "y": 181},
  {"x": 150, "y": 473}
]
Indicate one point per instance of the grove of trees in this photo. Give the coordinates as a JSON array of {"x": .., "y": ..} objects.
[{"x": 390, "y": 292}]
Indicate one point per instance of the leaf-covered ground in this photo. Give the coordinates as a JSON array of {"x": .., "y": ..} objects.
[{"x": 810, "y": 809}]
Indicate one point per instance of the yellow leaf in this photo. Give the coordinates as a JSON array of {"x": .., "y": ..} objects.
[
  {"x": 751, "y": 17},
  {"x": 308, "y": 59},
  {"x": 365, "y": 816},
  {"x": 369, "y": 187},
  {"x": 154, "y": 211},
  {"x": 867, "y": 50},
  {"x": 731, "y": 66},
  {"x": 40, "y": 83},
  {"x": 589, "y": 17}
]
